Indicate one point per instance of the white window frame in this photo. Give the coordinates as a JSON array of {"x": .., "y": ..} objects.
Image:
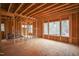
[
  {"x": 52, "y": 30},
  {"x": 2, "y": 27},
  {"x": 45, "y": 28},
  {"x": 65, "y": 30}
]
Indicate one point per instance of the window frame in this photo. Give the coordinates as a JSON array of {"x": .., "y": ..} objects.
[
  {"x": 54, "y": 34},
  {"x": 46, "y": 28},
  {"x": 60, "y": 25},
  {"x": 68, "y": 28},
  {"x": 31, "y": 28},
  {"x": 2, "y": 27}
]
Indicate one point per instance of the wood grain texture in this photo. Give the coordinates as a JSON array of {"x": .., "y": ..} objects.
[{"x": 38, "y": 47}]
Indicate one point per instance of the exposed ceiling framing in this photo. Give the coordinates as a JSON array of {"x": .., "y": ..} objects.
[
  {"x": 65, "y": 8},
  {"x": 27, "y": 8},
  {"x": 35, "y": 9},
  {"x": 41, "y": 9}
]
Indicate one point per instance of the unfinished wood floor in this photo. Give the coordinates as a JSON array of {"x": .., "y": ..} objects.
[{"x": 38, "y": 47}]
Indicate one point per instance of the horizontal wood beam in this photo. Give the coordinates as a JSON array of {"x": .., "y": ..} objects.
[
  {"x": 43, "y": 9},
  {"x": 27, "y": 8},
  {"x": 35, "y": 8},
  {"x": 3, "y": 12},
  {"x": 19, "y": 7}
]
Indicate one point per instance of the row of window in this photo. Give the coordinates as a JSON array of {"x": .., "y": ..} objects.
[
  {"x": 51, "y": 28},
  {"x": 57, "y": 28},
  {"x": 28, "y": 27}
]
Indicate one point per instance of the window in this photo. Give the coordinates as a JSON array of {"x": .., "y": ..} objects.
[
  {"x": 54, "y": 28},
  {"x": 30, "y": 28},
  {"x": 2, "y": 27},
  {"x": 24, "y": 26},
  {"x": 65, "y": 28},
  {"x": 45, "y": 30}
]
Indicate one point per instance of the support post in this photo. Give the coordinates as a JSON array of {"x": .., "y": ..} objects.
[{"x": 36, "y": 28}]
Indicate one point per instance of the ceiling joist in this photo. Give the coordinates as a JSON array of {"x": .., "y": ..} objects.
[
  {"x": 55, "y": 8},
  {"x": 43, "y": 9},
  {"x": 35, "y": 8},
  {"x": 27, "y": 8},
  {"x": 61, "y": 9},
  {"x": 19, "y": 7},
  {"x": 9, "y": 7}
]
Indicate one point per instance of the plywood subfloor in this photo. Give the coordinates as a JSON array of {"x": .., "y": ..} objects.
[{"x": 38, "y": 47}]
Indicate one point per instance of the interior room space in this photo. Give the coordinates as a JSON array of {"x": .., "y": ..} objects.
[{"x": 39, "y": 29}]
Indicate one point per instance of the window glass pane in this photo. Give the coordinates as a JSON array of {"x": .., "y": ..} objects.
[
  {"x": 30, "y": 28},
  {"x": 54, "y": 28},
  {"x": 22, "y": 26},
  {"x": 45, "y": 30},
  {"x": 65, "y": 28},
  {"x": 2, "y": 27},
  {"x": 25, "y": 26},
  {"x": 51, "y": 30}
]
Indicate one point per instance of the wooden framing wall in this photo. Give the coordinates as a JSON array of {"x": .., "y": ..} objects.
[
  {"x": 39, "y": 27},
  {"x": 74, "y": 39},
  {"x": 34, "y": 28},
  {"x": 11, "y": 27},
  {"x": 78, "y": 27},
  {"x": 14, "y": 27},
  {"x": 73, "y": 30},
  {"x": 13, "y": 24}
]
